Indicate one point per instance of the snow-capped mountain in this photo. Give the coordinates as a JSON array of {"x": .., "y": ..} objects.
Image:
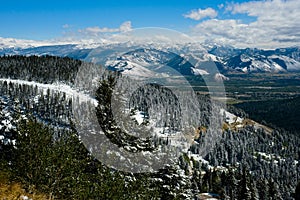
[
  {"x": 257, "y": 60},
  {"x": 226, "y": 58},
  {"x": 68, "y": 50},
  {"x": 150, "y": 60}
]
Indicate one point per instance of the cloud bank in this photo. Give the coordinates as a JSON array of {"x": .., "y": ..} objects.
[
  {"x": 96, "y": 31},
  {"x": 275, "y": 25}
]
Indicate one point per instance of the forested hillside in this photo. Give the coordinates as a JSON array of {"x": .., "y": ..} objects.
[
  {"x": 41, "y": 148},
  {"x": 43, "y": 69},
  {"x": 278, "y": 113}
]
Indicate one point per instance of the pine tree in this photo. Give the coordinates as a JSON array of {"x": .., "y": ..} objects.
[
  {"x": 262, "y": 186},
  {"x": 231, "y": 185},
  {"x": 253, "y": 190},
  {"x": 274, "y": 193},
  {"x": 297, "y": 191},
  {"x": 244, "y": 190}
]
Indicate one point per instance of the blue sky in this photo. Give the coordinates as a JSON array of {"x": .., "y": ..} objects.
[
  {"x": 233, "y": 22},
  {"x": 45, "y": 19}
]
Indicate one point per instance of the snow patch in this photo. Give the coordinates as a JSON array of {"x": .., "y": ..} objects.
[
  {"x": 199, "y": 72},
  {"x": 220, "y": 77},
  {"x": 231, "y": 118}
]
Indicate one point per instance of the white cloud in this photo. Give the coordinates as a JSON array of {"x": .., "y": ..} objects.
[
  {"x": 275, "y": 25},
  {"x": 66, "y": 26},
  {"x": 222, "y": 31},
  {"x": 220, "y": 6},
  {"x": 201, "y": 13},
  {"x": 95, "y": 31},
  {"x": 126, "y": 26}
]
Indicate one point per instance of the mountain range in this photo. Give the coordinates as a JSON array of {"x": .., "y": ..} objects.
[{"x": 227, "y": 59}]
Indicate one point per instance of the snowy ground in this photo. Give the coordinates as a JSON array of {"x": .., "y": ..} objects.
[{"x": 68, "y": 90}]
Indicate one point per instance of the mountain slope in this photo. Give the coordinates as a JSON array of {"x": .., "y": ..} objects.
[{"x": 256, "y": 60}]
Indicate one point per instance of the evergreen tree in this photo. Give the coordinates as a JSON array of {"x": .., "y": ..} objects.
[
  {"x": 244, "y": 190},
  {"x": 297, "y": 191}
]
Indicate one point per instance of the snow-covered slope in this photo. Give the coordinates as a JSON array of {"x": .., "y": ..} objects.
[
  {"x": 148, "y": 62},
  {"x": 255, "y": 60},
  {"x": 220, "y": 77}
]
